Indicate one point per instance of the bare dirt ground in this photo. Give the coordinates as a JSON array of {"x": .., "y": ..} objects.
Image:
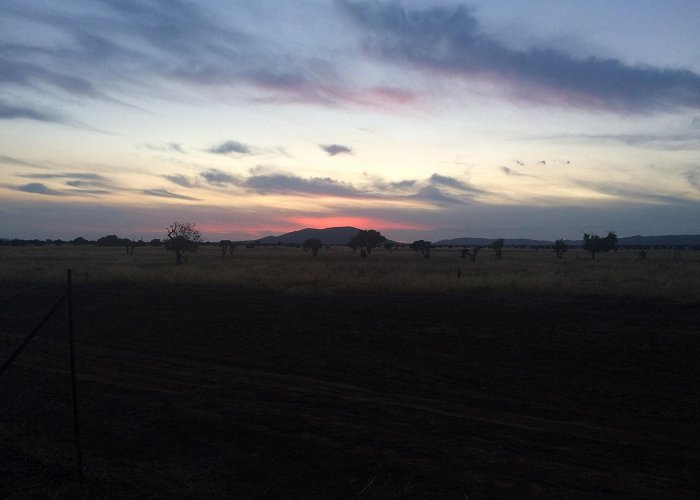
[{"x": 199, "y": 392}]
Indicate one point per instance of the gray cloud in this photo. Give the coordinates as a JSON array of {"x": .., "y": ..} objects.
[
  {"x": 403, "y": 185},
  {"x": 443, "y": 180},
  {"x": 91, "y": 176},
  {"x": 219, "y": 177},
  {"x": 86, "y": 184},
  {"x": 87, "y": 192},
  {"x": 78, "y": 180},
  {"x": 281, "y": 183},
  {"x": 449, "y": 40},
  {"x": 229, "y": 147},
  {"x": 433, "y": 194},
  {"x": 180, "y": 180},
  {"x": 164, "y": 193},
  {"x": 23, "y": 73},
  {"x": 127, "y": 47},
  {"x": 36, "y": 188},
  {"x": 335, "y": 149},
  {"x": 406, "y": 184},
  {"x": 11, "y": 112},
  {"x": 127, "y": 44}
]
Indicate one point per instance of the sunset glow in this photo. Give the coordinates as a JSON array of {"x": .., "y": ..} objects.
[
  {"x": 359, "y": 222},
  {"x": 420, "y": 119}
]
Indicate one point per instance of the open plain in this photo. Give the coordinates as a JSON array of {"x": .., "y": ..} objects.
[{"x": 271, "y": 374}]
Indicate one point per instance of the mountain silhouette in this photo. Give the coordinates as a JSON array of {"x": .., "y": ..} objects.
[
  {"x": 342, "y": 235},
  {"x": 328, "y": 236}
]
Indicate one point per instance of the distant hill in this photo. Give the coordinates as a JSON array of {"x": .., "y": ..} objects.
[
  {"x": 328, "y": 236},
  {"x": 341, "y": 236},
  {"x": 475, "y": 242},
  {"x": 661, "y": 241}
]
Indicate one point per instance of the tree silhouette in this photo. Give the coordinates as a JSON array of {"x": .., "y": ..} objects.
[
  {"x": 312, "y": 244},
  {"x": 80, "y": 241},
  {"x": 594, "y": 243},
  {"x": 421, "y": 246},
  {"x": 390, "y": 245},
  {"x": 225, "y": 244},
  {"x": 497, "y": 245},
  {"x": 470, "y": 253},
  {"x": 366, "y": 239},
  {"x": 560, "y": 248},
  {"x": 182, "y": 237}
]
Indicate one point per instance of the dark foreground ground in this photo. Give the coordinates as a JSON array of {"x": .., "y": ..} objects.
[{"x": 213, "y": 392}]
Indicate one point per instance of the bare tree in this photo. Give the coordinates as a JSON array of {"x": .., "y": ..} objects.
[
  {"x": 497, "y": 245},
  {"x": 559, "y": 248},
  {"x": 225, "y": 244},
  {"x": 182, "y": 237},
  {"x": 470, "y": 253}
]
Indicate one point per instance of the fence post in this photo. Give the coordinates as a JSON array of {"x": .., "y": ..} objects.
[{"x": 76, "y": 422}]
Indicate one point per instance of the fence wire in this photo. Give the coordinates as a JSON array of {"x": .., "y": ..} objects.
[{"x": 36, "y": 433}]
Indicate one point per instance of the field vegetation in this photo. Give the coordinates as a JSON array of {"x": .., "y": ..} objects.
[
  {"x": 664, "y": 273},
  {"x": 424, "y": 373}
]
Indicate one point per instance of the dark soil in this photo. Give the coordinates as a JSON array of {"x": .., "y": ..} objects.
[{"x": 217, "y": 392}]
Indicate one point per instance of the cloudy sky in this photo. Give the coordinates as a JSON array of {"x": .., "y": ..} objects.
[{"x": 422, "y": 119}]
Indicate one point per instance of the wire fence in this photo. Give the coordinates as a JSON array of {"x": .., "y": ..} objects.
[{"x": 39, "y": 427}]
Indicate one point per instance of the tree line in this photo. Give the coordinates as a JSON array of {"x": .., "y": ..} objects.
[{"x": 183, "y": 237}]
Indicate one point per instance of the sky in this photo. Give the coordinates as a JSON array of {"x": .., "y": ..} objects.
[{"x": 421, "y": 119}]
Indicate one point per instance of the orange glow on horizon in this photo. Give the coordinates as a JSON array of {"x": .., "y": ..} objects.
[{"x": 358, "y": 222}]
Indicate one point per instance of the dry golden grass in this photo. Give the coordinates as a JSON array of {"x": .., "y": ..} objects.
[{"x": 664, "y": 274}]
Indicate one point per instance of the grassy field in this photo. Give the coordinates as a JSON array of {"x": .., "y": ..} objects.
[
  {"x": 664, "y": 274},
  {"x": 272, "y": 374}
]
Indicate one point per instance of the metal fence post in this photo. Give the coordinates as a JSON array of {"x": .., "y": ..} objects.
[{"x": 76, "y": 422}]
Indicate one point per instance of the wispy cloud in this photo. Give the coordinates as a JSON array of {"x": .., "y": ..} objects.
[
  {"x": 632, "y": 193},
  {"x": 509, "y": 171},
  {"x": 173, "y": 147},
  {"x": 164, "y": 193},
  {"x": 130, "y": 48},
  {"x": 9, "y": 160},
  {"x": 13, "y": 112},
  {"x": 444, "y": 180},
  {"x": 91, "y": 176},
  {"x": 335, "y": 149},
  {"x": 666, "y": 142},
  {"x": 450, "y": 40},
  {"x": 78, "y": 180}
]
